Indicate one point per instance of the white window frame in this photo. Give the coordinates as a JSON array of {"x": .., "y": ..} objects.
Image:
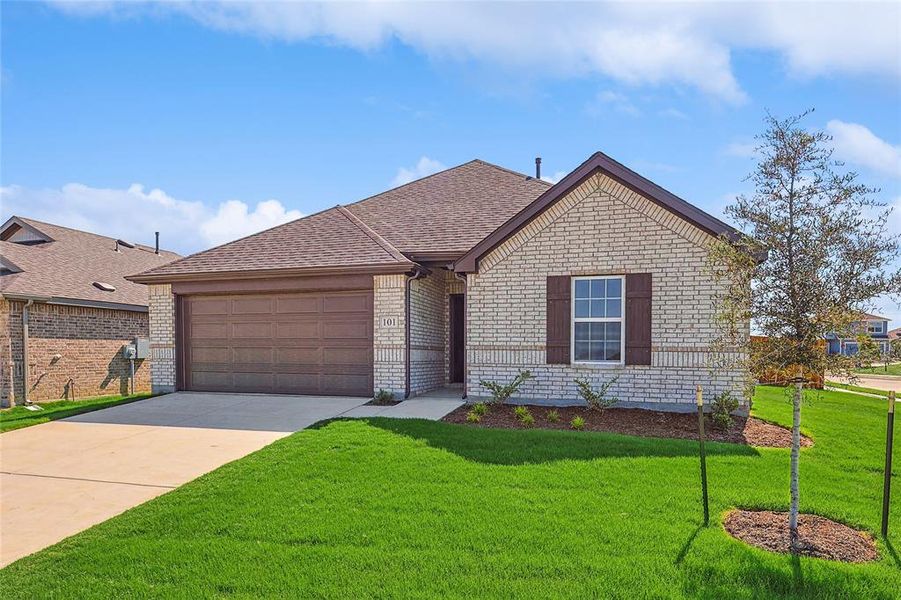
[
  {"x": 875, "y": 327},
  {"x": 621, "y": 320}
]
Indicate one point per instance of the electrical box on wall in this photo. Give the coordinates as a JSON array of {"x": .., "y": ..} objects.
[{"x": 142, "y": 348}]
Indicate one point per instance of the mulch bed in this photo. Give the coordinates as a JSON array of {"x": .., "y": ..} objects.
[
  {"x": 634, "y": 421},
  {"x": 818, "y": 536}
]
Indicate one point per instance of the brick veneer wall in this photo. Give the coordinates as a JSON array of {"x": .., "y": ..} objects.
[
  {"x": 162, "y": 338},
  {"x": 70, "y": 342},
  {"x": 428, "y": 307},
  {"x": 389, "y": 341},
  {"x": 599, "y": 228}
]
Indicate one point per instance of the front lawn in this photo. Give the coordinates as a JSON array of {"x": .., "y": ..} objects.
[
  {"x": 18, "y": 417},
  {"x": 892, "y": 369},
  {"x": 389, "y": 508}
]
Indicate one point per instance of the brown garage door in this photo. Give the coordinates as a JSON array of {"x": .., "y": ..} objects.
[{"x": 292, "y": 343}]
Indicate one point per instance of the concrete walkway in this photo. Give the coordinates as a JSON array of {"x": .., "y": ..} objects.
[{"x": 62, "y": 477}]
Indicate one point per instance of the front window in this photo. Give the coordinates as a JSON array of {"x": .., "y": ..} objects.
[
  {"x": 875, "y": 327},
  {"x": 597, "y": 319}
]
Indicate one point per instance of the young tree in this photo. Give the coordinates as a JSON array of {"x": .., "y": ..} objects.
[
  {"x": 827, "y": 255},
  {"x": 868, "y": 351}
]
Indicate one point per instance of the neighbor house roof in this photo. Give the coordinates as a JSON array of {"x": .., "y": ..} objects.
[
  {"x": 455, "y": 216},
  {"x": 333, "y": 238},
  {"x": 55, "y": 263},
  {"x": 895, "y": 333},
  {"x": 871, "y": 317}
]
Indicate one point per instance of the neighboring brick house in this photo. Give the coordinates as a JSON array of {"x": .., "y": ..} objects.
[
  {"x": 69, "y": 286},
  {"x": 472, "y": 273}
]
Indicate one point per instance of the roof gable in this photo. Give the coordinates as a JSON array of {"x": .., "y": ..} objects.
[{"x": 597, "y": 162}]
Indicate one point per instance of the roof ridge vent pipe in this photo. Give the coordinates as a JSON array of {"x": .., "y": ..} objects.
[
  {"x": 157, "y": 250},
  {"x": 537, "y": 167},
  {"x": 117, "y": 245}
]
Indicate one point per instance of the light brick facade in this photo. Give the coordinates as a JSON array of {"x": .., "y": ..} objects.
[
  {"x": 72, "y": 350},
  {"x": 389, "y": 338},
  {"x": 162, "y": 338},
  {"x": 599, "y": 228}
]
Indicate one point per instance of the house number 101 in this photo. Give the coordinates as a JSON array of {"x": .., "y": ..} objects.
[{"x": 389, "y": 322}]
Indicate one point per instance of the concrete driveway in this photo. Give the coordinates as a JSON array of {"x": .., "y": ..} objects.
[{"x": 62, "y": 477}]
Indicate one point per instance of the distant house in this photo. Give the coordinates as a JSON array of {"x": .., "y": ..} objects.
[
  {"x": 67, "y": 311},
  {"x": 874, "y": 326},
  {"x": 894, "y": 334}
]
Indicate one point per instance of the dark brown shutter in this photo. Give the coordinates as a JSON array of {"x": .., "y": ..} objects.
[
  {"x": 558, "y": 319},
  {"x": 638, "y": 319}
]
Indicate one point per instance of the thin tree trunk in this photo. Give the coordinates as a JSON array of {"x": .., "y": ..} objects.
[{"x": 796, "y": 451}]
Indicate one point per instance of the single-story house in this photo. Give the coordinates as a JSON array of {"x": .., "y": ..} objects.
[
  {"x": 67, "y": 311},
  {"x": 873, "y": 326},
  {"x": 470, "y": 274}
]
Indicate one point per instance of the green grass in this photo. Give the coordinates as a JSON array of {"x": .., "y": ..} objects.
[
  {"x": 388, "y": 508},
  {"x": 19, "y": 417},
  {"x": 892, "y": 369},
  {"x": 857, "y": 388}
]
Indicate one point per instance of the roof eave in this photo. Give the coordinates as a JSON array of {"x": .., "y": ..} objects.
[{"x": 374, "y": 269}]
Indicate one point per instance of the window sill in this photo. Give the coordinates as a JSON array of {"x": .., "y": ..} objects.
[{"x": 597, "y": 365}]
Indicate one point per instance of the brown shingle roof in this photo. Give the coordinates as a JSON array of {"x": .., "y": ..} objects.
[
  {"x": 451, "y": 211},
  {"x": 68, "y": 266},
  {"x": 331, "y": 238}
]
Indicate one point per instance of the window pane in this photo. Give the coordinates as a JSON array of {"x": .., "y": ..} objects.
[
  {"x": 597, "y": 332},
  {"x": 597, "y": 351},
  {"x": 612, "y": 351},
  {"x": 614, "y": 288},
  {"x": 582, "y": 332},
  {"x": 597, "y": 288},
  {"x": 613, "y": 308},
  {"x": 597, "y": 308},
  {"x": 613, "y": 331},
  {"x": 582, "y": 288},
  {"x": 581, "y": 308},
  {"x": 581, "y": 351}
]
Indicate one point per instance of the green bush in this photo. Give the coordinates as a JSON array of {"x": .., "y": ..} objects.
[
  {"x": 552, "y": 416},
  {"x": 480, "y": 408},
  {"x": 520, "y": 411},
  {"x": 383, "y": 396},
  {"x": 578, "y": 423},
  {"x": 596, "y": 398},
  {"x": 500, "y": 393},
  {"x": 527, "y": 420},
  {"x": 721, "y": 410},
  {"x": 473, "y": 417}
]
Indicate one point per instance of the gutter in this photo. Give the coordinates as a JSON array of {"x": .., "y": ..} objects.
[
  {"x": 417, "y": 274},
  {"x": 25, "y": 351}
]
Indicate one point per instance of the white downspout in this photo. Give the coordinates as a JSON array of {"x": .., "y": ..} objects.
[{"x": 25, "y": 351}]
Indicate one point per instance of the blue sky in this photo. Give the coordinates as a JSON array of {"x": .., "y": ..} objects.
[{"x": 208, "y": 121}]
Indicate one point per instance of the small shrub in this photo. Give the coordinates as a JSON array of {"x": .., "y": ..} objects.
[
  {"x": 527, "y": 420},
  {"x": 721, "y": 410},
  {"x": 520, "y": 411},
  {"x": 552, "y": 416},
  {"x": 473, "y": 417},
  {"x": 383, "y": 396},
  {"x": 480, "y": 408},
  {"x": 500, "y": 393},
  {"x": 596, "y": 399},
  {"x": 578, "y": 423}
]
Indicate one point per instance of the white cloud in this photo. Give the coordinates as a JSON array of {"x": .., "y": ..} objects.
[
  {"x": 133, "y": 214},
  {"x": 741, "y": 149},
  {"x": 856, "y": 144},
  {"x": 607, "y": 100},
  {"x": 635, "y": 43},
  {"x": 673, "y": 113},
  {"x": 425, "y": 166},
  {"x": 557, "y": 176}
]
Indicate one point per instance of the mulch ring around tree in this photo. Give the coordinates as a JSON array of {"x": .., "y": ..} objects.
[
  {"x": 634, "y": 421},
  {"x": 818, "y": 537}
]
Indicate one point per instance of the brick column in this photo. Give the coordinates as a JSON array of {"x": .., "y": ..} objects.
[
  {"x": 162, "y": 339},
  {"x": 389, "y": 343}
]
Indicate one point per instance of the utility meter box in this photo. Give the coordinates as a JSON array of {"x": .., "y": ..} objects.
[
  {"x": 129, "y": 351},
  {"x": 142, "y": 348}
]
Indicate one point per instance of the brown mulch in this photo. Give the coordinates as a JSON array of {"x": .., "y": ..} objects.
[
  {"x": 375, "y": 402},
  {"x": 818, "y": 536},
  {"x": 634, "y": 421}
]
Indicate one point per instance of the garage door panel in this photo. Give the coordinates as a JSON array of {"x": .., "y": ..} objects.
[
  {"x": 293, "y": 343},
  {"x": 299, "y": 305},
  {"x": 349, "y": 330},
  {"x": 260, "y": 305},
  {"x": 298, "y": 329},
  {"x": 346, "y": 303}
]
